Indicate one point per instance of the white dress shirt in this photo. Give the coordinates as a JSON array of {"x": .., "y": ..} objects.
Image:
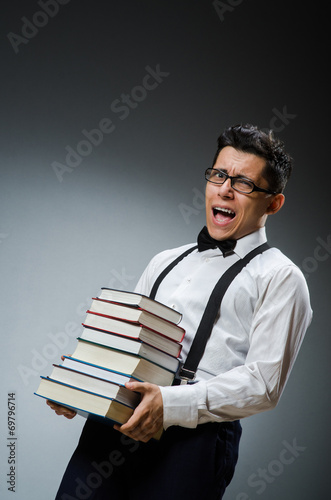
[{"x": 255, "y": 340}]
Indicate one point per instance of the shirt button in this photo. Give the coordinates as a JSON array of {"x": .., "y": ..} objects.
[
  {"x": 207, "y": 259},
  {"x": 173, "y": 306}
]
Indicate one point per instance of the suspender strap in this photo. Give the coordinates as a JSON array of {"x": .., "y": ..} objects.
[
  {"x": 208, "y": 319},
  {"x": 168, "y": 269}
]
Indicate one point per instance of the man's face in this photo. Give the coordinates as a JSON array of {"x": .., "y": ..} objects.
[{"x": 240, "y": 214}]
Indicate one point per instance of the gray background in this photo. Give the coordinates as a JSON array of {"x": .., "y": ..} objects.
[{"x": 141, "y": 190}]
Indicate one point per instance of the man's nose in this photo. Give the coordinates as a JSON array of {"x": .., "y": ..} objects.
[{"x": 226, "y": 188}]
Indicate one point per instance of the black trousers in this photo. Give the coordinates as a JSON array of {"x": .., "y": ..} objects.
[{"x": 185, "y": 463}]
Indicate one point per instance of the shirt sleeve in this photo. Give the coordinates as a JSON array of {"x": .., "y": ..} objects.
[
  {"x": 281, "y": 318},
  {"x": 148, "y": 277}
]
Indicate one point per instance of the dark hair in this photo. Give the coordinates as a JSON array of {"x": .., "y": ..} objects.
[{"x": 249, "y": 139}]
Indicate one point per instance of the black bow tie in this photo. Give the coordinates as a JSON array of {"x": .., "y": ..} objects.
[{"x": 205, "y": 241}]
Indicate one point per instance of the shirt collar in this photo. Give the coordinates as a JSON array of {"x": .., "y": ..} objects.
[{"x": 249, "y": 242}]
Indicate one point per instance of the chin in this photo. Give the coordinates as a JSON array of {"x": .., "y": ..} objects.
[{"x": 219, "y": 233}]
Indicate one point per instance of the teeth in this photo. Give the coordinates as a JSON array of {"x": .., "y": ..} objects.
[{"x": 226, "y": 210}]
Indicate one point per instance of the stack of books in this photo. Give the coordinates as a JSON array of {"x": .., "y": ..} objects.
[{"x": 126, "y": 337}]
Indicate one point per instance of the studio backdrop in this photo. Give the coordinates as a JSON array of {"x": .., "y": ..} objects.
[{"x": 110, "y": 112}]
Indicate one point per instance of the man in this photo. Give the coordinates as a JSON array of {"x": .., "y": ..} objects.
[{"x": 255, "y": 338}]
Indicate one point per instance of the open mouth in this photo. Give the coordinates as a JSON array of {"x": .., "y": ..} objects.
[{"x": 223, "y": 214}]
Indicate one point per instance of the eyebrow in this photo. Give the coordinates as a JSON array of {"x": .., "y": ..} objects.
[{"x": 241, "y": 176}]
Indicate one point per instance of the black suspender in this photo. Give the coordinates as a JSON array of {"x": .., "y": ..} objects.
[
  {"x": 209, "y": 316},
  {"x": 188, "y": 370},
  {"x": 168, "y": 269}
]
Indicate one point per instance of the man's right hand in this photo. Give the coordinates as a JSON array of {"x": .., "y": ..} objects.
[{"x": 61, "y": 410}]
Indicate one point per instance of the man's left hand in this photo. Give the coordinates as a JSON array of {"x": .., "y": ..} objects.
[{"x": 147, "y": 418}]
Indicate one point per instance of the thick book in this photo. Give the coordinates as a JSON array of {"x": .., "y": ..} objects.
[
  {"x": 139, "y": 316},
  {"x": 136, "y": 329},
  {"x": 94, "y": 384},
  {"x": 132, "y": 346},
  {"x": 83, "y": 402},
  {"x": 142, "y": 301},
  {"x": 97, "y": 371},
  {"x": 121, "y": 362}
]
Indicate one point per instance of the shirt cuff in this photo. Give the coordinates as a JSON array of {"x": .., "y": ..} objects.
[{"x": 181, "y": 404}]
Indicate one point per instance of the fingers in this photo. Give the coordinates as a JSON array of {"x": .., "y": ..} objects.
[
  {"x": 141, "y": 387},
  {"x": 143, "y": 431},
  {"x": 147, "y": 418},
  {"x": 61, "y": 410},
  {"x": 67, "y": 355},
  {"x": 140, "y": 432}
]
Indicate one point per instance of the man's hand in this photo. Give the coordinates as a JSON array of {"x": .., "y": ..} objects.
[
  {"x": 147, "y": 418},
  {"x": 61, "y": 410}
]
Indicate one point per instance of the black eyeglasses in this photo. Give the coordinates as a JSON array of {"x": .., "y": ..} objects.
[{"x": 240, "y": 184}]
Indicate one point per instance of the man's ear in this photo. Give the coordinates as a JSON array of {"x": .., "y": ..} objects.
[{"x": 276, "y": 204}]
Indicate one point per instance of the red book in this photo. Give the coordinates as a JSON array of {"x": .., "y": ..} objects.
[{"x": 135, "y": 323}]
